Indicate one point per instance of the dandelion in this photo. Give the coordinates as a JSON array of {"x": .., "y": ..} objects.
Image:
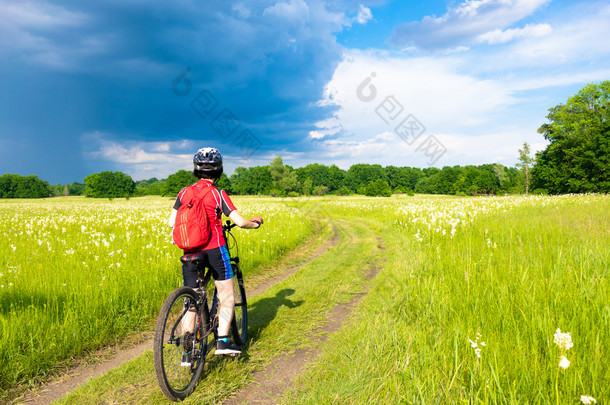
[
  {"x": 587, "y": 400},
  {"x": 14, "y": 247}
]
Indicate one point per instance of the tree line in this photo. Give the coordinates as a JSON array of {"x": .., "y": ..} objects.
[{"x": 576, "y": 160}]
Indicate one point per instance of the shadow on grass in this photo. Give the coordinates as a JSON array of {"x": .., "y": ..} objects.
[
  {"x": 262, "y": 312},
  {"x": 18, "y": 302}
]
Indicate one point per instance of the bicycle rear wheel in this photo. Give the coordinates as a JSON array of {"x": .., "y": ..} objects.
[
  {"x": 239, "y": 324},
  {"x": 175, "y": 346}
]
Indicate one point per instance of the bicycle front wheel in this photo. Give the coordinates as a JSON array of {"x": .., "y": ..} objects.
[
  {"x": 239, "y": 324},
  {"x": 179, "y": 350}
]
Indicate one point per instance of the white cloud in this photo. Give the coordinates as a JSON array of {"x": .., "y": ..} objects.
[
  {"x": 364, "y": 15},
  {"x": 499, "y": 36},
  {"x": 583, "y": 39},
  {"x": 558, "y": 80},
  {"x": 140, "y": 159},
  {"x": 478, "y": 120},
  {"x": 316, "y": 135},
  {"x": 480, "y": 103},
  {"x": 431, "y": 89},
  {"x": 389, "y": 149},
  {"x": 464, "y": 23},
  {"x": 38, "y": 15},
  {"x": 293, "y": 11},
  {"x": 146, "y": 159},
  {"x": 241, "y": 10},
  {"x": 162, "y": 147}
]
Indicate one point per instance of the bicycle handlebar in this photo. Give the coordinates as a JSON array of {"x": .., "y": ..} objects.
[{"x": 229, "y": 225}]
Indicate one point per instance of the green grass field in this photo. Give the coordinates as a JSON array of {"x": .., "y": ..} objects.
[
  {"x": 77, "y": 274},
  {"x": 503, "y": 271},
  {"x": 512, "y": 272}
]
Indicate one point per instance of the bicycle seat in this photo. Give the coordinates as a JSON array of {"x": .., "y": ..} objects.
[{"x": 193, "y": 257}]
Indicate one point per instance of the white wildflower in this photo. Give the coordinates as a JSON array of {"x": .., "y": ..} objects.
[
  {"x": 564, "y": 362},
  {"x": 587, "y": 400},
  {"x": 563, "y": 340},
  {"x": 477, "y": 346}
]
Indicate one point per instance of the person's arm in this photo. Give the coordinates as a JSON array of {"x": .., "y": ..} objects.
[
  {"x": 172, "y": 218},
  {"x": 242, "y": 222}
]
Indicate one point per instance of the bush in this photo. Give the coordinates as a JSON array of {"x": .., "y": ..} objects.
[{"x": 320, "y": 190}]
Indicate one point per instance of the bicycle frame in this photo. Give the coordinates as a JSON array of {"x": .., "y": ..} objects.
[
  {"x": 191, "y": 346},
  {"x": 204, "y": 278}
]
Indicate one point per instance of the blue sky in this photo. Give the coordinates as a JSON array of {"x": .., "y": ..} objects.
[{"x": 139, "y": 86}]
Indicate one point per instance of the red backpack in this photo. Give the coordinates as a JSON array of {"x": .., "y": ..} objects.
[{"x": 192, "y": 227}]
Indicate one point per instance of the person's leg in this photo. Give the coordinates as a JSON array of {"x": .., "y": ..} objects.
[
  {"x": 223, "y": 276},
  {"x": 190, "y": 276},
  {"x": 227, "y": 304}
]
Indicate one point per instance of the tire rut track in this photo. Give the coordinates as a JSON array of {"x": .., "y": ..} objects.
[{"x": 269, "y": 384}]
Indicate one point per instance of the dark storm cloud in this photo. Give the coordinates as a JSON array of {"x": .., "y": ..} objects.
[{"x": 71, "y": 68}]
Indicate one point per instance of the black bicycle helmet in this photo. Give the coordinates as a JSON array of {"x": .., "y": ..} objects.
[{"x": 207, "y": 160}]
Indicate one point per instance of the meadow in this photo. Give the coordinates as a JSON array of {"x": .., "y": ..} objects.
[
  {"x": 77, "y": 274},
  {"x": 474, "y": 303},
  {"x": 471, "y": 303}
]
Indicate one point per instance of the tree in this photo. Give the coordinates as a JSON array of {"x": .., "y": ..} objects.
[
  {"x": 285, "y": 179},
  {"x": 251, "y": 180},
  {"x": 362, "y": 174},
  {"x": 378, "y": 187},
  {"x": 76, "y": 188},
  {"x": 177, "y": 181},
  {"x": 109, "y": 185},
  {"x": 223, "y": 183},
  {"x": 577, "y": 159},
  {"x": 307, "y": 186},
  {"x": 526, "y": 162},
  {"x": 16, "y": 186}
]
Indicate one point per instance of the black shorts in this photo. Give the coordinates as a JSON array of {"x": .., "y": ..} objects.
[{"x": 216, "y": 259}]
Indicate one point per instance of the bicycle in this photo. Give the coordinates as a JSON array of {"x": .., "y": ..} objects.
[{"x": 173, "y": 347}]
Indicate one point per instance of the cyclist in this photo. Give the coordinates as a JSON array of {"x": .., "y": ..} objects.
[{"x": 208, "y": 168}]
